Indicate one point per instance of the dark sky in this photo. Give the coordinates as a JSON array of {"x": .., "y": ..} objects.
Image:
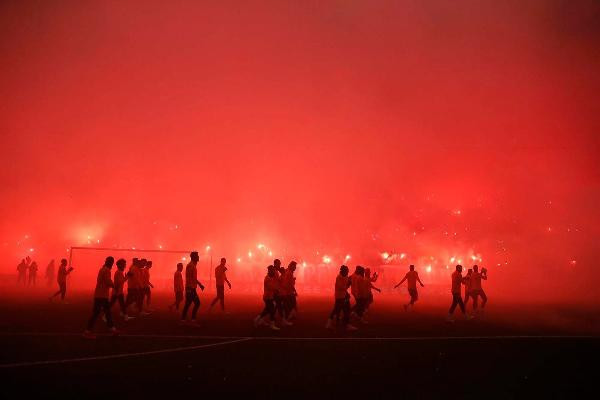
[{"x": 344, "y": 127}]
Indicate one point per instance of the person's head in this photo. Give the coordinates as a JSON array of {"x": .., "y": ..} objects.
[
  {"x": 459, "y": 268},
  {"x": 121, "y": 263},
  {"x": 277, "y": 263},
  {"x": 223, "y": 260},
  {"x": 109, "y": 261},
  {"x": 344, "y": 270},
  {"x": 292, "y": 266},
  {"x": 360, "y": 270},
  {"x": 194, "y": 256},
  {"x": 475, "y": 268},
  {"x": 143, "y": 263},
  {"x": 469, "y": 271},
  {"x": 149, "y": 264},
  {"x": 63, "y": 262},
  {"x": 411, "y": 267},
  {"x": 179, "y": 267},
  {"x": 271, "y": 270}
]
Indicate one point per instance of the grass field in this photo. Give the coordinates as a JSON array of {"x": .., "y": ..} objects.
[{"x": 514, "y": 351}]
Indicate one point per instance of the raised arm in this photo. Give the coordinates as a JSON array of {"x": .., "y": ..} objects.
[{"x": 401, "y": 282}]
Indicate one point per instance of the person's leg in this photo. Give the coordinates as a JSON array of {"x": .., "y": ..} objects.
[
  {"x": 460, "y": 303},
  {"x": 221, "y": 295},
  {"x": 483, "y": 298},
  {"x": 113, "y": 300},
  {"x": 95, "y": 312},
  {"x": 475, "y": 296},
  {"x": 178, "y": 299},
  {"x": 121, "y": 300},
  {"x": 454, "y": 304},
  {"x": 139, "y": 300},
  {"x": 337, "y": 307},
  {"x": 196, "y": 301},
  {"x": 63, "y": 290},
  {"x": 265, "y": 310},
  {"x": 271, "y": 308},
  {"x": 345, "y": 306},
  {"x": 105, "y": 306},
  {"x": 149, "y": 294},
  {"x": 188, "y": 302},
  {"x": 279, "y": 307}
]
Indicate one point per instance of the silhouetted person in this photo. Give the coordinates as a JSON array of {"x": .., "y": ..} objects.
[
  {"x": 191, "y": 282},
  {"x": 411, "y": 277},
  {"x": 101, "y": 304},
  {"x": 288, "y": 290},
  {"x": 368, "y": 287},
  {"x": 50, "y": 273},
  {"x": 33, "y": 269},
  {"x": 61, "y": 279},
  {"x": 277, "y": 298},
  {"x": 476, "y": 289},
  {"x": 177, "y": 287},
  {"x": 134, "y": 287},
  {"x": 357, "y": 288},
  {"x": 22, "y": 273},
  {"x": 457, "y": 280},
  {"x": 220, "y": 280},
  {"x": 467, "y": 283},
  {"x": 270, "y": 287},
  {"x": 119, "y": 280},
  {"x": 342, "y": 301},
  {"x": 147, "y": 285}
]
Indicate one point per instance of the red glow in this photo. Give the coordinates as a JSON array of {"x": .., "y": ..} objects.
[{"x": 396, "y": 133}]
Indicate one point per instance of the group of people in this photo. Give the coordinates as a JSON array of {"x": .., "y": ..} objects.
[
  {"x": 110, "y": 290},
  {"x": 279, "y": 292},
  {"x": 27, "y": 271},
  {"x": 279, "y": 296}
]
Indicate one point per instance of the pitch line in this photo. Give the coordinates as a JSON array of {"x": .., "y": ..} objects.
[
  {"x": 125, "y": 355},
  {"x": 312, "y": 338}
]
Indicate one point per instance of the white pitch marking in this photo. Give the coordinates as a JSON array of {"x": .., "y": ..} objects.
[
  {"x": 398, "y": 338},
  {"x": 113, "y": 356}
]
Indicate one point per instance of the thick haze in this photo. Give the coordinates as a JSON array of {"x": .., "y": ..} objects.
[{"x": 431, "y": 128}]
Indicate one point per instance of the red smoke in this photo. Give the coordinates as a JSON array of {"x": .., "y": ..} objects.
[{"x": 343, "y": 128}]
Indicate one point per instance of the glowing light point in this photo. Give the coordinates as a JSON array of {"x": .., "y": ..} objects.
[
  {"x": 347, "y": 257},
  {"x": 452, "y": 259},
  {"x": 326, "y": 259},
  {"x": 160, "y": 246},
  {"x": 31, "y": 249},
  {"x": 239, "y": 260},
  {"x": 260, "y": 246},
  {"x": 428, "y": 269},
  {"x": 249, "y": 254},
  {"x": 182, "y": 258},
  {"x": 385, "y": 255},
  {"x": 207, "y": 248},
  {"x": 573, "y": 262},
  {"x": 304, "y": 263},
  {"x": 270, "y": 253},
  {"x": 402, "y": 256}
]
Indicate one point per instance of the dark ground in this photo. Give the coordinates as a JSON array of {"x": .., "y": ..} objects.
[{"x": 514, "y": 352}]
